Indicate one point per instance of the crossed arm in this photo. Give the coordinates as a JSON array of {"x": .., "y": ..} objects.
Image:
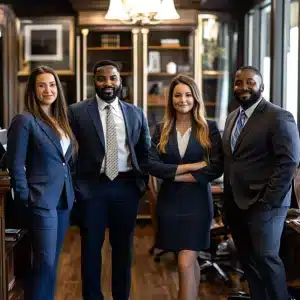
[{"x": 194, "y": 172}]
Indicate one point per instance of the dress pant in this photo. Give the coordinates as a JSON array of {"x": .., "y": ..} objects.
[
  {"x": 47, "y": 230},
  {"x": 257, "y": 234},
  {"x": 114, "y": 205}
]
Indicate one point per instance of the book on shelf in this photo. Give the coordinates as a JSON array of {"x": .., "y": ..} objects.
[
  {"x": 170, "y": 43},
  {"x": 110, "y": 40}
]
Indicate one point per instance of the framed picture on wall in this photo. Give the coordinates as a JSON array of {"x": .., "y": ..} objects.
[
  {"x": 43, "y": 42},
  {"x": 47, "y": 41}
]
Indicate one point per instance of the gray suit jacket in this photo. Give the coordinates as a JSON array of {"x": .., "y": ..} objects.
[{"x": 267, "y": 152}]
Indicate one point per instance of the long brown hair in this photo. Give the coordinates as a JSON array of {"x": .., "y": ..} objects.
[
  {"x": 198, "y": 114},
  {"x": 59, "y": 106}
]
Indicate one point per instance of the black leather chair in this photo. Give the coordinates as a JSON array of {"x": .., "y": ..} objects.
[{"x": 222, "y": 261}]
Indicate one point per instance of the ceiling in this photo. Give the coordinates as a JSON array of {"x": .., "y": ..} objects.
[
  {"x": 30, "y": 8},
  {"x": 103, "y": 4}
]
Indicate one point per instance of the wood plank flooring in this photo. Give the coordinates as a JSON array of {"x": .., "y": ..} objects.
[{"x": 150, "y": 280}]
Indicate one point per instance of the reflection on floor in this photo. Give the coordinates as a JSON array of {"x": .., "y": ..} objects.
[{"x": 150, "y": 280}]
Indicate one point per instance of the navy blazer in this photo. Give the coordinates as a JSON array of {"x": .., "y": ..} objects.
[
  {"x": 87, "y": 127},
  {"x": 164, "y": 165},
  {"x": 38, "y": 168}
]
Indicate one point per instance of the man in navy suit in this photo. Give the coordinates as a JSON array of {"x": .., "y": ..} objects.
[
  {"x": 261, "y": 147},
  {"x": 110, "y": 178}
]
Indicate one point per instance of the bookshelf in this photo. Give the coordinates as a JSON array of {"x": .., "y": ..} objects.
[
  {"x": 109, "y": 44},
  {"x": 165, "y": 50},
  {"x": 200, "y": 45}
]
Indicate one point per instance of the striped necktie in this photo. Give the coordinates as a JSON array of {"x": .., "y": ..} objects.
[{"x": 239, "y": 126}]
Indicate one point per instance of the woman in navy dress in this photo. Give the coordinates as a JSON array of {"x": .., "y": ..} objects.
[
  {"x": 39, "y": 148},
  {"x": 186, "y": 153}
]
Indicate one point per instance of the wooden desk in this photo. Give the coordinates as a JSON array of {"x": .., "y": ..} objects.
[
  {"x": 293, "y": 226},
  {"x": 4, "y": 188},
  {"x": 290, "y": 249},
  {"x": 15, "y": 255}
]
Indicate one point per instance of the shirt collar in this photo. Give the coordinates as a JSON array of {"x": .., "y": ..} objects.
[
  {"x": 102, "y": 104},
  {"x": 249, "y": 111}
]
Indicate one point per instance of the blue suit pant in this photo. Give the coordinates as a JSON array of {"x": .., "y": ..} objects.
[
  {"x": 257, "y": 234},
  {"x": 115, "y": 207},
  {"x": 47, "y": 229}
]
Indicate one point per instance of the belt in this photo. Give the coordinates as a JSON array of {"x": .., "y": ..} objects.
[{"x": 128, "y": 174}]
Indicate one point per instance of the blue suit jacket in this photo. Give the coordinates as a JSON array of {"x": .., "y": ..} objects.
[
  {"x": 86, "y": 124},
  {"x": 38, "y": 168}
]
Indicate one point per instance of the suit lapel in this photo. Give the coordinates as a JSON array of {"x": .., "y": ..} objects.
[
  {"x": 51, "y": 134},
  {"x": 254, "y": 119},
  {"x": 128, "y": 121},
  {"x": 173, "y": 143},
  {"x": 93, "y": 110},
  {"x": 228, "y": 132},
  {"x": 191, "y": 143},
  {"x": 69, "y": 152}
]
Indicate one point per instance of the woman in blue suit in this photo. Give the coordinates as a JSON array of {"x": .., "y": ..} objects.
[
  {"x": 39, "y": 148},
  {"x": 186, "y": 153}
]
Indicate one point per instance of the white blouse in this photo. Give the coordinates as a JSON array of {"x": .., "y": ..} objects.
[
  {"x": 65, "y": 142},
  {"x": 183, "y": 141}
]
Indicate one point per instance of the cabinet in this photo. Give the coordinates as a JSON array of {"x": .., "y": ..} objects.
[
  {"x": 113, "y": 44},
  {"x": 168, "y": 54},
  {"x": 4, "y": 188},
  {"x": 15, "y": 256}
]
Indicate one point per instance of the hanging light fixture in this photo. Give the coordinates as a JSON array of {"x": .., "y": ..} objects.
[{"x": 141, "y": 11}]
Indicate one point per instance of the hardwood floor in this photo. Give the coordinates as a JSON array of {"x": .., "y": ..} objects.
[{"x": 150, "y": 280}]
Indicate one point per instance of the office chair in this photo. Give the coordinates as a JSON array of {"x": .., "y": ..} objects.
[
  {"x": 294, "y": 212},
  {"x": 217, "y": 259}
]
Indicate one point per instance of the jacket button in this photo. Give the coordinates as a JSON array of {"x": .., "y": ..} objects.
[{"x": 64, "y": 164}]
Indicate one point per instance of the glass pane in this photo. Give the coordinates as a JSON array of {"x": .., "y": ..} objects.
[
  {"x": 265, "y": 58},
  {"x": 250, "y": 38},
  {"x": 215, "y": 68},
  {"x": 292, "y": 62}
]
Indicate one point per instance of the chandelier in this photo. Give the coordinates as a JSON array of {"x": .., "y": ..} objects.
[{"x": 141, "y": 11}]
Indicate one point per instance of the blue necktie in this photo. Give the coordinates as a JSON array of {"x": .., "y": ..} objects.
[{"x": 239, "y": 126}]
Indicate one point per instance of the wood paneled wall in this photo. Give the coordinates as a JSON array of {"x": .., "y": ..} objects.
[{"x": 9, "y": 51}]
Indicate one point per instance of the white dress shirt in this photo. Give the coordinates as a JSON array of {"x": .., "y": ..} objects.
[
  {"x": 183, "y": 141},
  {"x": 124, "y": 163}
]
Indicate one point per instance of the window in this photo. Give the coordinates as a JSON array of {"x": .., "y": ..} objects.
[
  {"x": 291, "y": 92},
  {"x": 250, "y": 40},
  {"x": 265, "y": 49}
]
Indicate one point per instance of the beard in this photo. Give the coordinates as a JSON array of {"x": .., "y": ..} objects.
[
  {"x": 108, "y": 93},
  {"x": 246, "y": 103}
]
